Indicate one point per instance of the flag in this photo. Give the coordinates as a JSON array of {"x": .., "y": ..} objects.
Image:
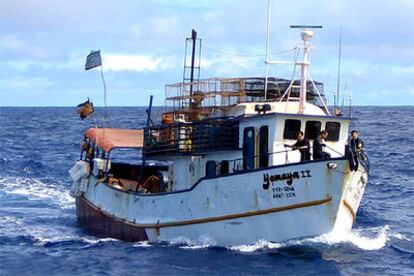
[
  {"x": 85, "y": 109},
  {"x": 93, "y": 60}
]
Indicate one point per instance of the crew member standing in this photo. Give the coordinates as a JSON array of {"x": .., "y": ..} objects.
[
  {"x": 319, "y": 145},
  {"x": 355, "y": 143},
  {"x": 302, "y": 144},
  {"x": 355, "y": 146}
]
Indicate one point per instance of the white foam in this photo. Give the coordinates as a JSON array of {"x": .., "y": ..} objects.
[
  {"x": 41, "y": 241},
  {"x": 142, "y": 244},
  {"x": 400, "y": 236},
  {"x": 41, "y": 235},
  {"x": 186, "y": 243},
  {"x": 371, "y": 238},
  {"x": 260, "y": 245},
  {"x": 35, "y": 189}
]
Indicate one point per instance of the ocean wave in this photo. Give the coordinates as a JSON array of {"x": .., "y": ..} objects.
[
  {"x": 23, "y": 231},
  {"x": 259, "y": 245},
  {"x": 35, "y": 189},
  {"x": 56, "y": 241},
  {"x": 143, "y": 244},
  {"x": 371, "y": 238},
  {"x": 186, "y": 243}
]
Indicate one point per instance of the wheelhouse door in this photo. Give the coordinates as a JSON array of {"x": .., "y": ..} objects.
[{"x": 248, "y": 148}]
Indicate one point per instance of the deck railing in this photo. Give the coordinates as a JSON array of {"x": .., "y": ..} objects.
[{"x": 192, "y": 138}]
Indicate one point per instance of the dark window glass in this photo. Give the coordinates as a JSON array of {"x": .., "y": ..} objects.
[
  {"x": 333, "y": 129},
  {"x": 312, "y": 129},
  {"x": 211, "y": 168},
  {"x": 264, "y": 146},
  {"x": 248, "y": 148},
  {"x": 224, "y": 167},
  {"x": 291, "y": 129}
]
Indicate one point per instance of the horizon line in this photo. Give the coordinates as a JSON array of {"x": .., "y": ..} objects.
[{"x": 100, "y": 106}]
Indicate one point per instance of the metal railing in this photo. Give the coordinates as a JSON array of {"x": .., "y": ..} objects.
[
  {"x": 195, "y": 137},
  {"x": 239, "y": 164}
]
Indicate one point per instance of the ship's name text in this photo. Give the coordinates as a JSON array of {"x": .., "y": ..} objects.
[{"x": 288, "y": 177}]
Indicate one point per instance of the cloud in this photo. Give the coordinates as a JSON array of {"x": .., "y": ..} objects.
[
  {"x": 409, "y": 70},
  {"x": 139, "y": 63},
  {"x": 11, "y": 42},
  {"x": 25, "y": 83},
  {"x": 142, "y": 43}
]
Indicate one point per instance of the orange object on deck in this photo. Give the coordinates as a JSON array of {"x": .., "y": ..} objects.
[
  {"x": 167, "y": 118},
  {"x": 109, "y": 138}
]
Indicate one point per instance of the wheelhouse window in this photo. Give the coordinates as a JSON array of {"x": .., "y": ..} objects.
[
  {"x": 264, "y": 146},
  {"x": 291, "y": 129},
  {"x": 210, "y": 168},
  {"x": 333, "y": 129},
  {"x": 312, "y": 129}
]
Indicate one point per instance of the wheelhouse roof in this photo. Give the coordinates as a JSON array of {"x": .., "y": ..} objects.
[
  {"x": 109, "y": 138},
  {"x": 299, "y": 116}
]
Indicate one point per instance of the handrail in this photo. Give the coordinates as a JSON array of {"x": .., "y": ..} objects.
[
  {"x": 340, "y": 154},
  {"x": 286, "y": 151},
  {"x": 192, "y": 137},
  {"x": 253, "y": 157}
]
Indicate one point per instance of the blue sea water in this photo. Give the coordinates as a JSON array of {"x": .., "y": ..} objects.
[{"x": 39, "y": 234}]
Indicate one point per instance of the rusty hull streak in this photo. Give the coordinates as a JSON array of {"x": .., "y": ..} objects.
[
  {"x": 214, "y": 219},
  {"x": 349, "y": 207},
  {"x": 93, "y": 218}
]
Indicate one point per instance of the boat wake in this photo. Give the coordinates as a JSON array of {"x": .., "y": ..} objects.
[
  {"x": 371, "y": 238},
  {"x": 35, "y": 189},
  {"x": 20, "y": 229}
]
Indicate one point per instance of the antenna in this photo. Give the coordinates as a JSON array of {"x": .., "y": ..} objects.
[
  {"x": 307, "y": 35},
  {"x": 306, "y": 27},
  {"x": 269, "y": 6},
  {"x": 338, "y": 80},
  {"x": 343, "y": 96}
]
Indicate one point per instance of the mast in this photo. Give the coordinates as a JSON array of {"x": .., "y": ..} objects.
[
  {"x": 193, "y": 38},
  {"x": 338, "y": 80},
  {"x": 191, "y": 74},
  {"x": 306, "y": 35},
  {"x": 146, "y": 129}
]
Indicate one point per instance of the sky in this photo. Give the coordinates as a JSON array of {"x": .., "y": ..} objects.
[{"x": 44, "y": 43}]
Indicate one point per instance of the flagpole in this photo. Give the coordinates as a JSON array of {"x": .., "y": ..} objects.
[
  {"x": 148, "y": 111},
  {"x": 94, "y": 60},
  {"x": 104, "y": 86}
]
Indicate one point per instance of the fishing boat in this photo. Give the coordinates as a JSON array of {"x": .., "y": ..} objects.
[{"x": 218, "y": 165}]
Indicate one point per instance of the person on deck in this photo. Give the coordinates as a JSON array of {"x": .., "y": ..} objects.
[
  {"x": 319, "y": 145},
  {"x": 354, "y": 150},
  {"x": 355, "y": 143},
  {"x": 302, "y": 144}
]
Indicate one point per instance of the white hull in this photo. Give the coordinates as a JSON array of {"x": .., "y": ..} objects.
[{"x": 239, "y": 208}]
